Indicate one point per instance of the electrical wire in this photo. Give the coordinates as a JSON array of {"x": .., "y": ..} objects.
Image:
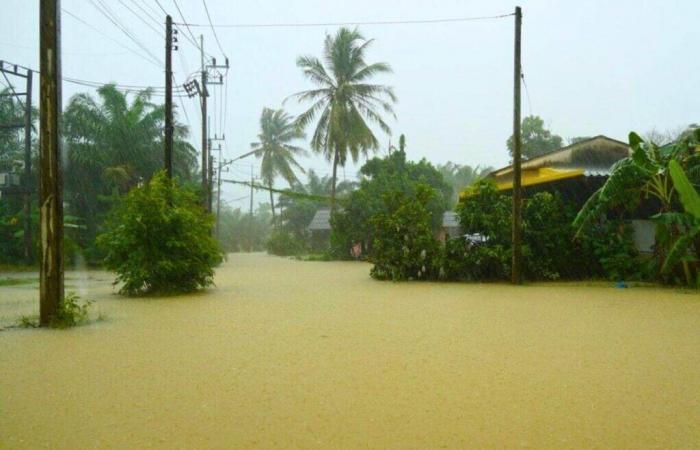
[
  {"x": 139, "y": 16},
  {"x": 216, "y": 37},
  {"x": 527, "y": 93},
  {"x": 110, "y": 38},
  {"x": 109, "y": 14},
  {"x": 358, "y": 23},
  {"x": 147, "y": 13}
]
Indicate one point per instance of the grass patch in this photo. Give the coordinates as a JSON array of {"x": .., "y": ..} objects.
[
  {"x": 16, "y": 281},
  {"x": 314, "y": 257}
]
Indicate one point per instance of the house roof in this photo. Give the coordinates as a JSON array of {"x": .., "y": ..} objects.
[
  {"x": 450, "y": 219},
  {"x": 587, "y": 158},
  {"x": 608, "y": 149},
  {"x": 321, "y": 220}
]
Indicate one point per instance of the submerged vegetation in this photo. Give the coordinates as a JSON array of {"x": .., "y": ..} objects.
[{"x": 158, "y": 240}]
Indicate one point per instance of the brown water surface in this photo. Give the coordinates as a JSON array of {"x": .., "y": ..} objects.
[{"x": 288, "y": 354}]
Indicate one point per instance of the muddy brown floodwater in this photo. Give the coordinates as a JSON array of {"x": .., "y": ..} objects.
[{"x": 288, "y": 354}]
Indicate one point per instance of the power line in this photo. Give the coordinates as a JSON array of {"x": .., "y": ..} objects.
[
  {"x": 216, "y": 37},
  {"x": 527, "y": 93},
  {"x": 107, "y": 12},
  {"x": 110, "y": 38},
  {"x": 329, "y": 24},
  {"x": 148, "y": 24},
  {"x": 147, "y": 13}
]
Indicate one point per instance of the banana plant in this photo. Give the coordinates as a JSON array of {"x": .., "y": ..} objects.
[
  {"x": 686, "y": 248},
  {"x": 642, "y": 175}
]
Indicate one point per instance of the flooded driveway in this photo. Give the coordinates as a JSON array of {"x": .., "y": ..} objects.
[{"x": 289, "y": 354}]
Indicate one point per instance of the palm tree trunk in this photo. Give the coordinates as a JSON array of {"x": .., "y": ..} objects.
[
  {"x": 272, "y": 204},
  {"x": 333, "y": 180}
]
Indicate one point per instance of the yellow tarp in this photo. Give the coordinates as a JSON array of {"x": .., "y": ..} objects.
[{"x": 532, "y": 177}]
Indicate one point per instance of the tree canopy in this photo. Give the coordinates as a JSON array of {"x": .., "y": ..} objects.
[
  {"x": 345, "y": 102},
  {"x": 536, "y": 139}
]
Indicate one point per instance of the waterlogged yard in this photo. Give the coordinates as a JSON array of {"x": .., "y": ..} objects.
[{"x": 289, "y": 354}]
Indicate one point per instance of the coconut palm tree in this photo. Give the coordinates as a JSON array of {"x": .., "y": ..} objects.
[
  {"x": 277, "y": 131},
  {"x": 344, "y": 101}
]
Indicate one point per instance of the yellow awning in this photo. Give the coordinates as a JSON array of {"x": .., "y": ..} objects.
[{"x": 532, "y": 177}]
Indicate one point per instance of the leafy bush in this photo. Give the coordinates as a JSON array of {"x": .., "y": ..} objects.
[
  {"x": 404, "y": 244},
  {"x": 550, "y": 248},
  {"x": 282, "y": 243},
  {"x": 465, "y": 261},
  {"x": 70, "y": 314},
  {"x": 616, "y": 256},
  {"x": 158, "y": 240},
  {"x": 353, "y": 223}
]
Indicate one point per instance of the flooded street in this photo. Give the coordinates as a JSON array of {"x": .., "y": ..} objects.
[{"x": 290, "y": 354}]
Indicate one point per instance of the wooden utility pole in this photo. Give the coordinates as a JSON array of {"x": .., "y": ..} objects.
[
  {"x": 169, "y": 96},
  {"x": 516, "y": 269},
  {"x": 50, "y": 185},
  {"x": 204, "y": 94},
  {"x": 28, "y": 250}
]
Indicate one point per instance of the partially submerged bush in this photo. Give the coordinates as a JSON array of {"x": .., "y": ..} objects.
[
  {"x": 283, "y": 243},
  {"x": 70, "y": 314},
  {"x": 159, "y": 240},
  {"x": 405, "y": 247}
]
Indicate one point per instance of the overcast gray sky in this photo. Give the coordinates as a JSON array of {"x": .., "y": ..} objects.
[{"x": 593, "y": 67}]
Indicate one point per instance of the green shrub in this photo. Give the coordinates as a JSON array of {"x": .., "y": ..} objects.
[
  {"x": 70, "y": 314},
  {"x": 464, "y": 261},
  {"x": 158, "y": 240},
  {"x": 283, "y": 243},
  {"x": 404, "y": 244},
  {"x": 550, "y": 250}
]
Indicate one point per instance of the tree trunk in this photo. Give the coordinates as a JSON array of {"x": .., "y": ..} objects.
[
  {"x": 333, "y": 180},
  {"x": 272, "y": 205}
]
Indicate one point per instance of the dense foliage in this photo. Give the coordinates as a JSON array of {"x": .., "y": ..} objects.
[
  {"x": 461, "y": 176},
  {"x": 12, "y": 213},
  {"x": 113, "y": 143},
  {"x": 158, "y": 240},
  {"x": 381, "y": 176},
  {"x": 405, "y": 247},
  {"x": 536, "y": 139},
  {"x": 644, "y": 181}
]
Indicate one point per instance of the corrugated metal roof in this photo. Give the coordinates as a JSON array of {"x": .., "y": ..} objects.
[
  {"x": 321, "y": 220},
  {"x": 450, "y": 220}
]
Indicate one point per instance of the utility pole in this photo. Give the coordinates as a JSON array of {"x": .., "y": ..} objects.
[
  {"x": 204, "y": 94},
  {"x": 218, "y": 194},
  {"x": 516, "y": 269},
  {"x": 168, "y": 159},
  {"x": 252, "y": 181},
  {"x": 28, "y": 250},
  {"x": 50, "y": 185},
  {"x": 210, "y": 179}
]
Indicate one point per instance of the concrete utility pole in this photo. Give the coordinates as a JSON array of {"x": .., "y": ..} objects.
[
  {"x": 203, "y": 96},
  {"x": 516, "y": 269},
  {"x": 168, "y": 157},
  {"x": 50, "y": 186}
]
